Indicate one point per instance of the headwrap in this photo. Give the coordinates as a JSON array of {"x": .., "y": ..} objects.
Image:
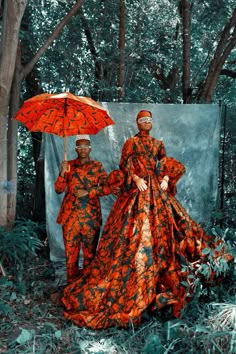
[
  {"x": 144, "y": 116},
  {"x": 82, "y": 137}
]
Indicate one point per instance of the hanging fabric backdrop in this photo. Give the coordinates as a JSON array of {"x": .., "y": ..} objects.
[{"x": 190, "y": 133}]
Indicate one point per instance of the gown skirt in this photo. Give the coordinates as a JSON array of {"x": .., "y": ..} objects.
[{"x": 147, "y": 258}]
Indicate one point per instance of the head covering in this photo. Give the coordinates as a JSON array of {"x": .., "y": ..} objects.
[
  {"x": 82, "y": 137},
  {"x": 143, "y": 113}
]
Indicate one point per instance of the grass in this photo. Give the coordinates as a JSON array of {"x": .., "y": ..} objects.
[{"x": 31, "y": 323}]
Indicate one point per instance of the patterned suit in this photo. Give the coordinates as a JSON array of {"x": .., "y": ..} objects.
[{"x": 80, "y": 218}]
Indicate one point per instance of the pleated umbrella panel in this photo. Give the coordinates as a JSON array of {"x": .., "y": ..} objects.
[{"x": 63, "y": 114}]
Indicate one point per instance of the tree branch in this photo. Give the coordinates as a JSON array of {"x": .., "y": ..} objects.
[
  {"x": 186, "y": 37},
  {"x": 224, "y": 47},
  {"x": 121, "y": 44},
  {"x": 28, "y": 67},
  {"x": 229, "y": 73}
]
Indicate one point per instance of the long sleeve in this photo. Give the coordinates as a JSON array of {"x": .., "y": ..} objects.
[
  {"x": 102, "y": 174},
  {"x": 60, "y": 184}
]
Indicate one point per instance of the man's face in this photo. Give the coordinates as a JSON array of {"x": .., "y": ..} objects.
[{"x": 83, "y": 148}]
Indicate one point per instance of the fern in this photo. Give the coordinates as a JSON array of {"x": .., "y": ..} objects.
[{"x": 19, "y": 243}]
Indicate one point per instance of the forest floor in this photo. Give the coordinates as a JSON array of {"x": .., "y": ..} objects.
[{"x": 31, "y": 323}]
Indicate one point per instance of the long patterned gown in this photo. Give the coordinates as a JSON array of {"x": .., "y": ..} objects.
[{"x": 146, "y": 246}]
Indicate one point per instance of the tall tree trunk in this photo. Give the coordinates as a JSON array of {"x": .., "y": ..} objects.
[
  {"x": 12, "y": 15},
  {"x": 34, "y": 88},
  {"x": 121, "y": 67},
  {"x": 97, "y": 62},
  {"x": 186, "y": 35},
  {"x": 226, "y": 44},
  {"x": 12, "y": 142}
]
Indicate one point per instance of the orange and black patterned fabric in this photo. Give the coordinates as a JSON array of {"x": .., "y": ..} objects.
[
  {"x": 81, "y": 218},
  {"x": 147, "y": 248},
  {"x": 63, "y": 114}
]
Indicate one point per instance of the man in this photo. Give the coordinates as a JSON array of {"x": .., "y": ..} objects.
[{"x": 80, "y": 213}]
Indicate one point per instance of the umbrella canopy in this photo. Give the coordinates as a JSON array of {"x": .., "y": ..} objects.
[{"x": 63, "y": 114}]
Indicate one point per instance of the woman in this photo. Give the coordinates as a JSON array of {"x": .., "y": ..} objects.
[{"x": 149, "y": 246}]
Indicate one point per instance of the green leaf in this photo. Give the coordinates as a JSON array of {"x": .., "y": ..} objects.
[
  {"x": 184, "y": 283},
  {"x": 24, "y": 337},
  {"x": 201, "y": 329},
  {"x": 5, "y": 309},
  {"x": 13, "y": 296},
  {"x": 58, "y": 334},
  {"x": 206, "y": 251}
]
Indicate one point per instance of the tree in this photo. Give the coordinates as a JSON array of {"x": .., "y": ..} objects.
[
  {"x": 226, "y": 44},
  {"x": 186, "y": 35},
  {"x": 12, "y": 16},
  {"x": 121, "y": 46}
]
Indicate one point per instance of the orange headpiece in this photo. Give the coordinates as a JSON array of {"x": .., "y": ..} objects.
[{"x": 143, "y": 113}]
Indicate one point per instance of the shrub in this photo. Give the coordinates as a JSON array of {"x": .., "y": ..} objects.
[{"x": 18, "y": 244}]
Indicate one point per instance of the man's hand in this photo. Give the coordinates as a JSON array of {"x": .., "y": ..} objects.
[
  {"x": 81, "y": 193},
  {"x": 65, "y": 167}
]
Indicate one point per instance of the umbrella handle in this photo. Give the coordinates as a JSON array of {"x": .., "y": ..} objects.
[{"x": 65, "y": 148}]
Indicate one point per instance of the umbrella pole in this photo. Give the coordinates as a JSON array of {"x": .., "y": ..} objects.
[{"x": 65, "y": 148}]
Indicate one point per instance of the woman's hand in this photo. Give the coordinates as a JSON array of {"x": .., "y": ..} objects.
[
  {"x": 140, "y": 183},
  {"x": 164, "y": 183}
]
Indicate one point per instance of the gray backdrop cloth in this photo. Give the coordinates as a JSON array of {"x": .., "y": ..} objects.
[{"x": 190, "y": 133}]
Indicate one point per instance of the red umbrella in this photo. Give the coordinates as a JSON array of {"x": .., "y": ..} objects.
[{"x": 63, "y": 114}]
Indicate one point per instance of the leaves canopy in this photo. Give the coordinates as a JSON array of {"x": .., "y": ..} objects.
[{"x": 84, "y": 58}]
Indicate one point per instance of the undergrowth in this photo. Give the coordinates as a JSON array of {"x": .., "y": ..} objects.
[{"x": 31, "y": 323}]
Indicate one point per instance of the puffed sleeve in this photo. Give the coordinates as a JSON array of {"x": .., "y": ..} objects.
[
  {"x": 174, "y": 169},
  {"x": 112, "y": 184},
  {"x": 162, "y": 151},
  {"x": 126, "y": 153}
]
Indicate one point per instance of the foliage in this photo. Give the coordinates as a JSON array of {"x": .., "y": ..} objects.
[
  {"x": 153, "y": 63},
  {"x": 31, "y": 323},
  {"x": 25, "y": 174},
  {"x": 224, "y": 219},
  {"x": 17, "y": 244}
]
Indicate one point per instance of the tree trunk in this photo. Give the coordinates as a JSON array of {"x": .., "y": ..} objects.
[
  {"x": 12, "y": 142},
  {"x": 226, "y": 44},
  {"x": 121, "y": 67},
  {"x": 12, "y": 15},
  {"x": 186, "y": 35},
  {"x": 34, "y": 88},
  {"x": 97, "y": 62}
]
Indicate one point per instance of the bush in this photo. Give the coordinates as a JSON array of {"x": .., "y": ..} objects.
[{"x": 18, "y": 244}]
